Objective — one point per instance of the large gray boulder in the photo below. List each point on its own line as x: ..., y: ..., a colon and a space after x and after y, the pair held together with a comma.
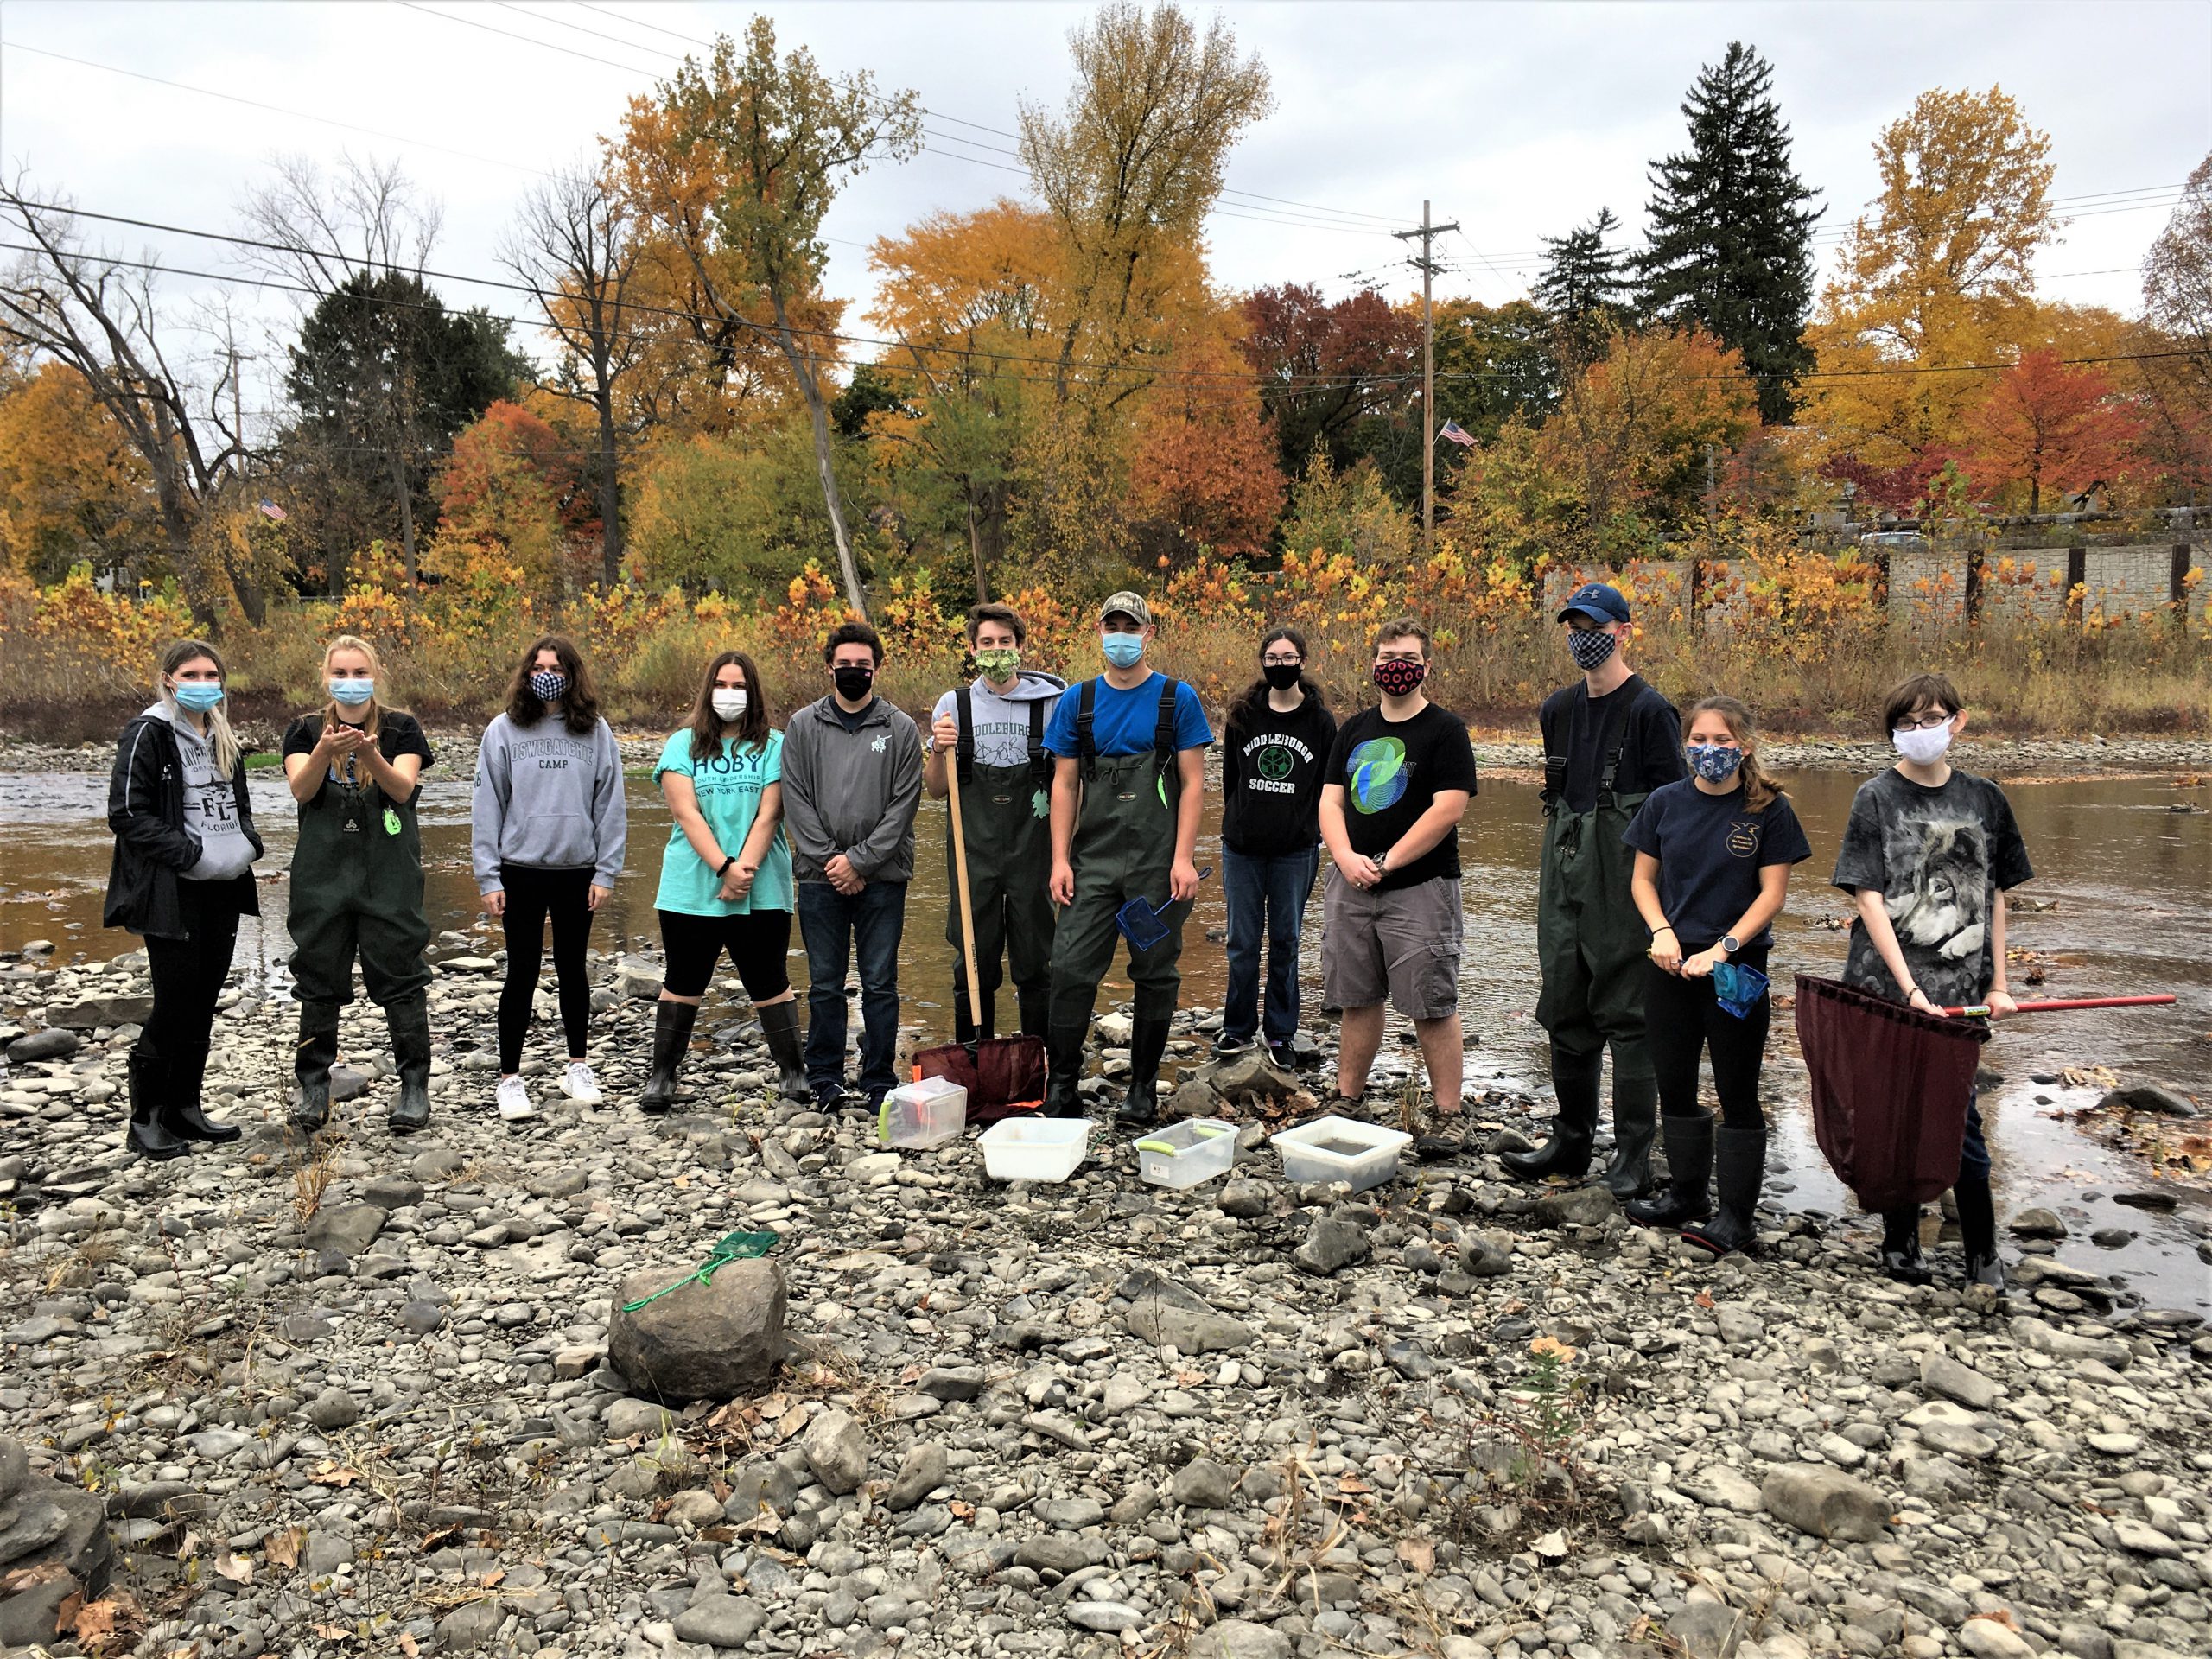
x: 1826, y: 1503
x: 1163, y: 1311
x: 54, y: 1544
x: 710, y: 1341
x: 89, y: 1012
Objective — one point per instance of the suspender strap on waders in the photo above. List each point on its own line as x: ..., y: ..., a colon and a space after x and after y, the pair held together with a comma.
x: 964, y: 747
x: 1040, y: 764
x: 1163, y: 731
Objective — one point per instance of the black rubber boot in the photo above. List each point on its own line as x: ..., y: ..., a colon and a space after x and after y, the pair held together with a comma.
x: 180, y: 1111
x: 408, y: 1020
x: 1139, y: 1107
x: 1978, y: 1231
x: 1574, y: 1124
x: 672, y: 1023
x: 1036, y: 1008
x: 964, y: 1027
x: 1635, y: 1121
x: 1689, y: 1175
x: 780, y: 1030
x: 1063, y: 1070
x: 316, y: 1053
x: 1739, y: 1166
x: 1901, y: 1257
x: 150, y: 1138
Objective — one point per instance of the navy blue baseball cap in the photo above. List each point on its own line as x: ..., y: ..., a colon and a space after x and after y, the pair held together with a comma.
x: 1597, y: 600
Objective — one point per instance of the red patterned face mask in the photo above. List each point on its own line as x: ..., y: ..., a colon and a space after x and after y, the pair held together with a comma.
x: 1397, y: 676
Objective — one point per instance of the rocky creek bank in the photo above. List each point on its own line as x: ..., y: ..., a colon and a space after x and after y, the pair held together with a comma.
x: 370, y: 1396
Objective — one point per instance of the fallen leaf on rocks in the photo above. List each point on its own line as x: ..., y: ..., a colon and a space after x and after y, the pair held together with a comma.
x: 408, y: 1646
x: 327, y: 1473
x: 439, y: 1539
x: 334, y: 1632
x: 1418, y: 1554
x: 234, y: 1567
x: 26, y: 1578
x: 490, y: 1580
x: 1703, y: 1298
x: 282, y: 1549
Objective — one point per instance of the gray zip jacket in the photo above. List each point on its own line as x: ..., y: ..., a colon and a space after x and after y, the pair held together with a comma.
x: 852, y: 793
x: 548, y: 798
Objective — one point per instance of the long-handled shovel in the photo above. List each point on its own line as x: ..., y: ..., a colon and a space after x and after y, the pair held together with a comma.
x: 1002, y: 1075
x: 2059, y: 1004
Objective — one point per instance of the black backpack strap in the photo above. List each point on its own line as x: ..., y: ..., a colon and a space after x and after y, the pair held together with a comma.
x: 1040, y: 764
x: 964, y: 747
x: 1086, y: 746
x: 1631, y: 688
x: 1163, y: 731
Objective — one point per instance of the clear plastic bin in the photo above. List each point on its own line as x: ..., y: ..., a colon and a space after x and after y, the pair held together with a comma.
x: 1034, y: 1149
x: 1183, y: 1154
x: 923, y: 1114
x: 1334, y: 1148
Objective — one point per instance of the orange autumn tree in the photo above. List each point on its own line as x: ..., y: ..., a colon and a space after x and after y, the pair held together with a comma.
x: 2045, y: 424
x: 72, y: 488
x: 513, y: 490
x: 1206, y: 474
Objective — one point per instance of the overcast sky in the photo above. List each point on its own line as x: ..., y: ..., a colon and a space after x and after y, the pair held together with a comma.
x: 1518, y: 121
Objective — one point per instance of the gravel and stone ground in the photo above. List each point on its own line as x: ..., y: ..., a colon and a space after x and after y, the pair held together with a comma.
x: 364, y: 1397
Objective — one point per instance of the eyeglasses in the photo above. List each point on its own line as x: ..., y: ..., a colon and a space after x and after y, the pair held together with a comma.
x: 1924, y: 722
x: 1282, y: 662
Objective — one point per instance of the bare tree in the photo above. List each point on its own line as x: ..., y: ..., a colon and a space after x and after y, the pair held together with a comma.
x: 577, y: 250
x: 97, y: 314
x: 347, y: 233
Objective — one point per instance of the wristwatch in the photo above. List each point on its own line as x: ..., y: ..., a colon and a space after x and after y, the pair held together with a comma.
x: 1381, y: 860
x: 1731, y: 943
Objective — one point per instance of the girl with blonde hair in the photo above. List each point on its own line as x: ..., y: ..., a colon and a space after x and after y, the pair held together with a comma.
x: 355, y: 766
x: 182, y: 875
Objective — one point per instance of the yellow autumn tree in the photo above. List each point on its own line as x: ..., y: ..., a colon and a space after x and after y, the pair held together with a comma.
x: 1938, y: 273
x: 72, y: 488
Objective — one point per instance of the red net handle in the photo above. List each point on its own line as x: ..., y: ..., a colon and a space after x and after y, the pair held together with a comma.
x: 2058, y: 1004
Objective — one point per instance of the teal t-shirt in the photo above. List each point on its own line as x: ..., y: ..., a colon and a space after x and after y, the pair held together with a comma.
x: 728, y: 786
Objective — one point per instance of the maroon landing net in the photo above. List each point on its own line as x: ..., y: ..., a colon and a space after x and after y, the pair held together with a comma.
x: 1890, y: 1089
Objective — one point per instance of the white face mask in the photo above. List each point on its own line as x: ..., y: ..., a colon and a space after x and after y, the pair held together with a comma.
x: 1922, y: 748
x: 729, y: 703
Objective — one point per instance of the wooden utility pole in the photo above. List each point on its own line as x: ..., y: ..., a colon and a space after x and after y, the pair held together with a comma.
x: 1427, y: 233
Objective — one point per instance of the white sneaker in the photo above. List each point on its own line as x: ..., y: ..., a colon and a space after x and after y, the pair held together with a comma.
x: 578, y: 1084
x: 513, y: 1099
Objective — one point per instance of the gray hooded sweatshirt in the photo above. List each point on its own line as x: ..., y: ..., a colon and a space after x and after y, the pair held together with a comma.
x: 1002, y: 729
x: 852, y: 793
x: 211, y: 805
x: 548, y: 798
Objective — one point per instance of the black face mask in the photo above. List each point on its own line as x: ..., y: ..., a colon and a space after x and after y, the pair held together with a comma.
x: 853, y: 684
x: 1282, y: 676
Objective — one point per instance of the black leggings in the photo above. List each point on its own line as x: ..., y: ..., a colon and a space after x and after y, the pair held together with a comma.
x: 532, y: 895
x: 1682, y: 1016
x: 758, y: 944
x: 189, y: 973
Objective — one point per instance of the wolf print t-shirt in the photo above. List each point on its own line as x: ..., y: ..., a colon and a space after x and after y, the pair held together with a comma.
x: 1392, y: 770
x: 1940, y: 857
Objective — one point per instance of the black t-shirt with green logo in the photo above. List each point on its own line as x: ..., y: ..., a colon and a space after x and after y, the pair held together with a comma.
x: 1271, y: 776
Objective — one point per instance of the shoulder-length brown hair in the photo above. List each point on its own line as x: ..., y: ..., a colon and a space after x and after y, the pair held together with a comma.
x: 579, y: 706
x: 707, y: 726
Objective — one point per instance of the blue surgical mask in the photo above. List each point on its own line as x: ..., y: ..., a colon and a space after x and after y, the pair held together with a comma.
x: 1716, y: 763
x: 199, y: 695
x: 353, y: 693
x: 1123, y: 650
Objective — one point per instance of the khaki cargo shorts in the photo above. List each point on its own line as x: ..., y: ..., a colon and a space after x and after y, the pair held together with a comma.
x: 1401, y: 942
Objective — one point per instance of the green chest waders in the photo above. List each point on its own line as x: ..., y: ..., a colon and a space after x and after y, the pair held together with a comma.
x: 1591, y: 945
x: 357, y: 887
x: 1006, y: 814
x: 1124, y: 848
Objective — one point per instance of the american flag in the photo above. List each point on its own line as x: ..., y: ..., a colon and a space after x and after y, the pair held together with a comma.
x: 1457, y: 433
x: 270, y: 510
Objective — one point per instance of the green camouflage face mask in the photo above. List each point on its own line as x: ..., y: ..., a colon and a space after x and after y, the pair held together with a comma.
x: 998, y: 662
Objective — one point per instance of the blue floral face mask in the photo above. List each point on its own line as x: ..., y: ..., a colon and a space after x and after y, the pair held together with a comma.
x: 1714, y: 762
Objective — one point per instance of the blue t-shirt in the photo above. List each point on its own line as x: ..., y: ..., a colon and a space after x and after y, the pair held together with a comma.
x: 1123, y: 722
x: 729, y: 786
x: 1711, y: 848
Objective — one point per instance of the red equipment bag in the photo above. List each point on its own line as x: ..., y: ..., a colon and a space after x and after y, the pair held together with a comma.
x: 1004, y: 1076
x: 1890, y: 1087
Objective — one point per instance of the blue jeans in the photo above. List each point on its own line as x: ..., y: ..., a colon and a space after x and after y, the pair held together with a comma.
x: 1265, y: 895
x: 833, y: 924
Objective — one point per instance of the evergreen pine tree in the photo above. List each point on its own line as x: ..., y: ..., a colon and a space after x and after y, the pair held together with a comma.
x: 1730, y: 237
x: 1585, y: 286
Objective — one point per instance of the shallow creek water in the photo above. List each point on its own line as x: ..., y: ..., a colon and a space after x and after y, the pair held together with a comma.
x: 2130, y: 877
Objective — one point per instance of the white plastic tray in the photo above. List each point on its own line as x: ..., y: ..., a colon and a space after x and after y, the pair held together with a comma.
x: 1034, y: 1149
x: 1335, y: 1148
x: 1201, y: 1149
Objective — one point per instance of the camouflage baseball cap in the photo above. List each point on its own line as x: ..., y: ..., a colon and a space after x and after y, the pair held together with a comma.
x: 1126, y: 604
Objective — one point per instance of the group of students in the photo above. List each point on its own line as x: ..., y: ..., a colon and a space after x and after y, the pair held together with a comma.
x: 1666, y: 857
